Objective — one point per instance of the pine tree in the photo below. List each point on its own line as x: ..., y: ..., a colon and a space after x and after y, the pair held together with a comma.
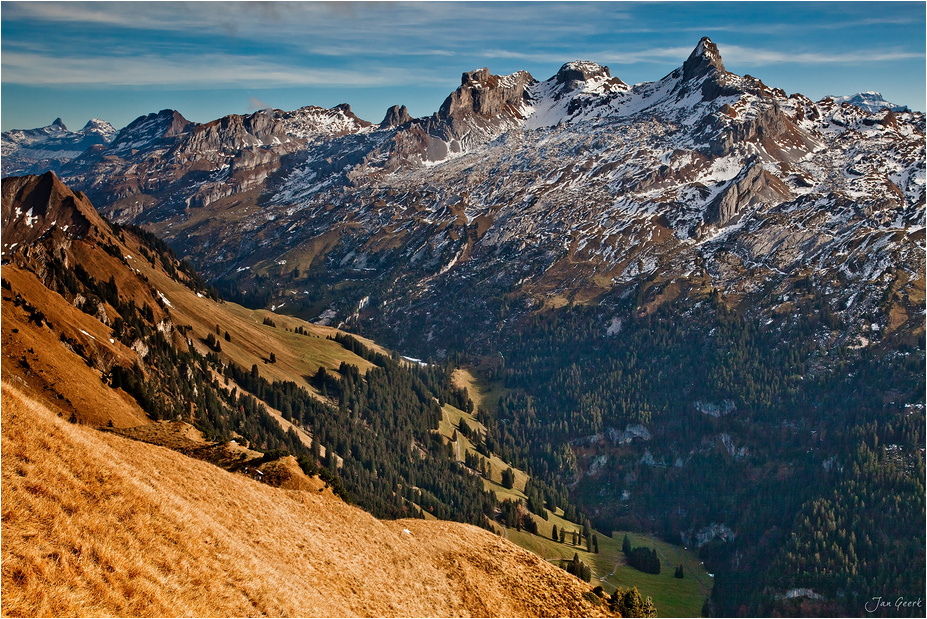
x: 508, y: 478
x: 595, y: 543
x: 678, y: 573
x: 626, y: 545
x: 554, y: 534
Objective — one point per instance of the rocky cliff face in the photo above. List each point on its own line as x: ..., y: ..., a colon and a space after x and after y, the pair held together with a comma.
x: 540, y: 192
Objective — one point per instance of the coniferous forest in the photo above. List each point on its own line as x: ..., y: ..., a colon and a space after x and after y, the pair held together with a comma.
x: 383, y: 450
x: 815, y: 460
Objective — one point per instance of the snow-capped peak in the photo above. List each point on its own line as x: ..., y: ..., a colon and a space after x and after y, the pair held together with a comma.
x: 581, y: 70
x: 99, y: 127
x: 869, y: 101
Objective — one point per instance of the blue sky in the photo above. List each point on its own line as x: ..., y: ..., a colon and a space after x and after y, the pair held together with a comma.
x: 117, y: 61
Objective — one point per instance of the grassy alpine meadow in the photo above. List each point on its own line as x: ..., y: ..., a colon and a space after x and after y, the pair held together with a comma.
x: 671, y: 596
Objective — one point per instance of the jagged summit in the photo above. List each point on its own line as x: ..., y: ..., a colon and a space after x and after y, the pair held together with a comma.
x: 703, y: 59
x: 396, y: 116
x: 58, y: 123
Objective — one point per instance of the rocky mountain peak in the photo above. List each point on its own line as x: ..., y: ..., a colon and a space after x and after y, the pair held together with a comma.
x: 59, y: 124
x: 475, y: 77
x: 582, y: 71
x: 703, y: 59
x: 345, y: 110
x: 147, y: 131
x: 486, y: 95
x: 99, y: 127
x: 34, y: 205
x: 395, y: 116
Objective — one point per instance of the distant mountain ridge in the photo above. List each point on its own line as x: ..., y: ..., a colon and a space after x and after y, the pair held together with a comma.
x: 870, y: 101
x: 33, y: 151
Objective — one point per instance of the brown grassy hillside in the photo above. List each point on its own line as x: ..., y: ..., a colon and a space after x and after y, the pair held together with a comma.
x: 95, y: 524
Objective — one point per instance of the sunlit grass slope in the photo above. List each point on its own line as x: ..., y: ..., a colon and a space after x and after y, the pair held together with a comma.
x: 94, y: 524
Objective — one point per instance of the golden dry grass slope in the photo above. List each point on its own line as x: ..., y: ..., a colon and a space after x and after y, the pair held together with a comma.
x: 95, y: 524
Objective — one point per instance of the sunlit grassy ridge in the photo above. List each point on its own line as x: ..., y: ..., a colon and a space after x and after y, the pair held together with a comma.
x: 95, y: 524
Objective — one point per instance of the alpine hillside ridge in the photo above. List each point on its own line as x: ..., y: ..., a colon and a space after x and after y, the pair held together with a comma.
x: 108, y: 337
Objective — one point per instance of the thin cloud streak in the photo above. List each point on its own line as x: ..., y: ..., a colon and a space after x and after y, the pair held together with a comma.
x: 761, y: 57
x: 368, y: 26
x: 206, y: 71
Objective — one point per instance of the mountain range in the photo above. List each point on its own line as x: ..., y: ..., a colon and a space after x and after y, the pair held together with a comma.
x: 542, y: 192
x: 697, y: 302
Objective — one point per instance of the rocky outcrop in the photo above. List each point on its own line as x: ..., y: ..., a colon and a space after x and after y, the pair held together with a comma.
x: 233, y: 133
x: 766, y: 126
x: 482, y: 100
x: 395, y: 117
x: 486, y: 95
x: 753, y: 184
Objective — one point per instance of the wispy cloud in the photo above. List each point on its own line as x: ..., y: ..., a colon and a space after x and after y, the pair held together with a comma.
x: 759, y: 57
x: 205, y: 71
